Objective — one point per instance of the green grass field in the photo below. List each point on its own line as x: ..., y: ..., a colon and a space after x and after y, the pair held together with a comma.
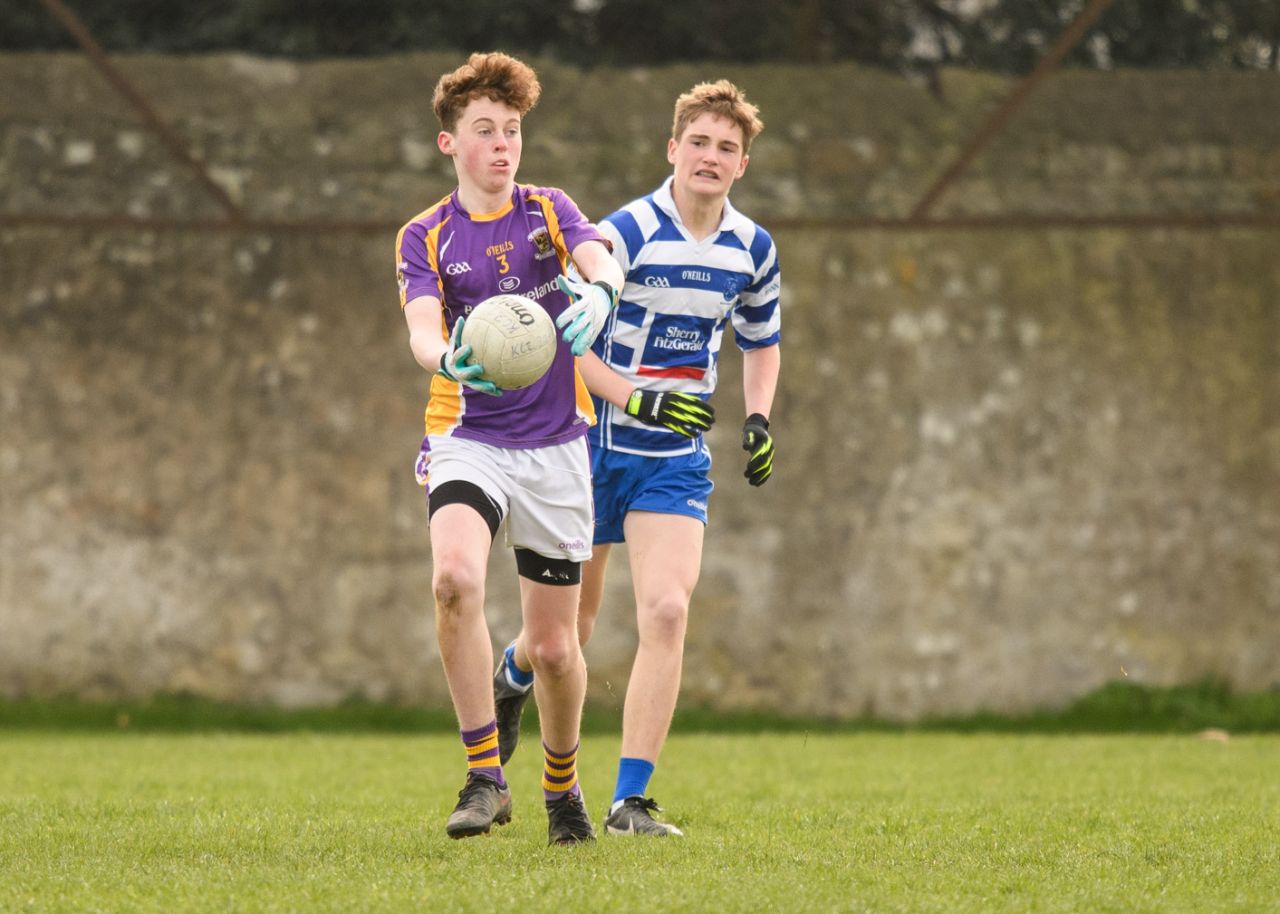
x: 797, y: 821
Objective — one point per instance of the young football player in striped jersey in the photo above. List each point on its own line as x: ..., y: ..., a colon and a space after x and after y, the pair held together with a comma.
x: 693, y: 264
x: 518, y: 454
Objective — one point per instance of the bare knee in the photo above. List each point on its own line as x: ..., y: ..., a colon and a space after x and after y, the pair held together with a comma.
x: 664, y: 621
x: 555, y: 656
x: 455, y: 587
x: 586, y: 625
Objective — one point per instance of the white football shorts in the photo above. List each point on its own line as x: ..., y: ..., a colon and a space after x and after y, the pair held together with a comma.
x: 544, y: 493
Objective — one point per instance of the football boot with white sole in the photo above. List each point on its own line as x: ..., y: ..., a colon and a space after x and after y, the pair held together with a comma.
x: 635, y: 817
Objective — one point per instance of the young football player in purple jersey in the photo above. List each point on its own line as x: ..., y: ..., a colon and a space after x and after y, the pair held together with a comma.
x: 693, y: 264
x: 491, y: 454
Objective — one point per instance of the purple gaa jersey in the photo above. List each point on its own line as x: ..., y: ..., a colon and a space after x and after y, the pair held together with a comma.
x: 463, y: 258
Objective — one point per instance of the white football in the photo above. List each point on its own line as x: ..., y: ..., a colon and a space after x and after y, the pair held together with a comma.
x: 513, y: 337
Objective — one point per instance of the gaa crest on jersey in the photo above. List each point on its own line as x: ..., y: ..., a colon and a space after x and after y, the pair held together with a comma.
x: 541, y: 239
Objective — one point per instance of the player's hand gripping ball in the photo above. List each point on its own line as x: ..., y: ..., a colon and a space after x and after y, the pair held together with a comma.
x: 512, y: 338
x: 589, y: 307
x: 457, y: 364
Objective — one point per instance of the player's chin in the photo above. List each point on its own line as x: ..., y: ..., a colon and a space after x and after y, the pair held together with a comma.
x: 501, y: 177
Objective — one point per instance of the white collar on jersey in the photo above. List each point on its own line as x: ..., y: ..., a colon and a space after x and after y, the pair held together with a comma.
x: 730, y: 221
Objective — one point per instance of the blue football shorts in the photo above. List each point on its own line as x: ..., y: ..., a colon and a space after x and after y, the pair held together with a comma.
x: 664, y: 485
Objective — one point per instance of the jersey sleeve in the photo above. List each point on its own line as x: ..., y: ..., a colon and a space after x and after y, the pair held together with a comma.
x: 574, y: 227
x: 416, y: 271
x: 617, y: 243
x: 757, y: 317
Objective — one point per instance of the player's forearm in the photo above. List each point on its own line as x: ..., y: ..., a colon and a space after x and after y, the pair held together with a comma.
x: 603, y: 381
x: 596, y: 264
x: 427, y: 349
x: 426, y: 341
x: 760, y: 369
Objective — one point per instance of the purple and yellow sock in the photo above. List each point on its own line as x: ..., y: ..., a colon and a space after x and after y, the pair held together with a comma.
x: 482, y: 752
x: 559, y: 773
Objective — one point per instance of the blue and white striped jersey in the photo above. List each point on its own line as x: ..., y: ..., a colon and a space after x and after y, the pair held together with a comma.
x: 679, y: 293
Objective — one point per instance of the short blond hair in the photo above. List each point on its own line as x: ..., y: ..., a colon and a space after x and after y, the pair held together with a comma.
x: 723, y: 99
x: 495, y: 76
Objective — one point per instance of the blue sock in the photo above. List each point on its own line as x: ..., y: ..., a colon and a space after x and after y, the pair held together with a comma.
x: 633, y: 778
x: 518, y: 677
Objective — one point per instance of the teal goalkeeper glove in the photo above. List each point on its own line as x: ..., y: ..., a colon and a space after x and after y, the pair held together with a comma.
x: 683, y: 414
x: 589, y: 307
x: 758, y: 443
x: 456, y: 365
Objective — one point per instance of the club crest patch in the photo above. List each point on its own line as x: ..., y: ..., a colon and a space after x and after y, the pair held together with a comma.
x: 541, y: 239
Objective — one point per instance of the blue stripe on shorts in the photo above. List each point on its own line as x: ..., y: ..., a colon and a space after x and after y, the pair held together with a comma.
x: 631, y: 482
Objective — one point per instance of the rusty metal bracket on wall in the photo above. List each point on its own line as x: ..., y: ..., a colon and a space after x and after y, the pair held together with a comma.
x: 237, y: 221
x: 996, y: 123
x: 121, y: 83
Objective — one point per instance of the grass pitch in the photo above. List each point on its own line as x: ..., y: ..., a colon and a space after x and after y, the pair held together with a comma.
x: 812, y: 822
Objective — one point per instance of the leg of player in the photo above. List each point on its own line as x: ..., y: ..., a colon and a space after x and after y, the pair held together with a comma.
x: 593, y: 574
x: 513, y: 680
x: 665, y: 551
x: 560, y: 685
x: 460, y: 541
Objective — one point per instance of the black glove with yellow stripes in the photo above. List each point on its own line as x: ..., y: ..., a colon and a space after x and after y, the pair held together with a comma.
x: 684, y: 414
x: 758, y: 443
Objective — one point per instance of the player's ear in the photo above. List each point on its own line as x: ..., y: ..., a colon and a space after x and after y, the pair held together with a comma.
x: 671, y: 150
x: 742, y: 166
x: 445, y: 141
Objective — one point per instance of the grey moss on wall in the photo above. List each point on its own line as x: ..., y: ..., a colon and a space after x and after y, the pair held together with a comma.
x: 1012, y: 465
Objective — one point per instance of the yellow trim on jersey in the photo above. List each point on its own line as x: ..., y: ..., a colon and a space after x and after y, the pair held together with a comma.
x: 582, y: 396
x: 444, y: 406
x: 445, y: 399
x: 553, y: 229
x: 400, y: 244
x: 496, y: 214
x: 586, y: 408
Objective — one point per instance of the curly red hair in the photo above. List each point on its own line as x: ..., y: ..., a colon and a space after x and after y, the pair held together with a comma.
x: 496, y: 76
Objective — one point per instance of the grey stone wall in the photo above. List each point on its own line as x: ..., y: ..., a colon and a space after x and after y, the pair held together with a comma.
x: 1012, y: 465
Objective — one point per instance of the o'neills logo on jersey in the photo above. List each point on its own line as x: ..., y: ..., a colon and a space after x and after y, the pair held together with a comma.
x: 494, y: 250
x: 541, y: 239
x: 696, y: 276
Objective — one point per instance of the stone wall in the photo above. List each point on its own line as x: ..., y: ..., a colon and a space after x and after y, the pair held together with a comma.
x: 1012, y: 465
